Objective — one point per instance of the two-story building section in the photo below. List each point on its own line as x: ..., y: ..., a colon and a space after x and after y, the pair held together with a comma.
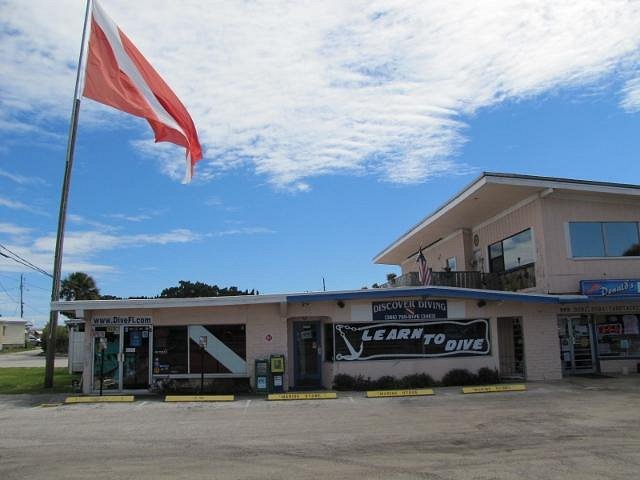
x: 552, y: 236
x: 534, y: 277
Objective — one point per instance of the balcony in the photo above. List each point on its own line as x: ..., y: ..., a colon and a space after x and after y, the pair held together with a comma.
x: 513, y: 280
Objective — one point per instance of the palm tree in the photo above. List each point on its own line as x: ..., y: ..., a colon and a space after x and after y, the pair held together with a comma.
x: 79, y: 286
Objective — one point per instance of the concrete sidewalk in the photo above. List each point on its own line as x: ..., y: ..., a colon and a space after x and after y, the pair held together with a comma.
x: 29, y: 358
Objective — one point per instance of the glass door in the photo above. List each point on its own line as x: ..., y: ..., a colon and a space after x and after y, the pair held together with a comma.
x: 121, y: 358
x: 576, y: 345
x: 307, y: 360
x: 106, y: 358
x: 135, y: 367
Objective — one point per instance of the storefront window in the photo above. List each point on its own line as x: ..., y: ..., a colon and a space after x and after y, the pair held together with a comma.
x: 170, y: 350
x: 604, y: 239
x: 511, y: 253
x: 225, y: 351
x: 618, y: 335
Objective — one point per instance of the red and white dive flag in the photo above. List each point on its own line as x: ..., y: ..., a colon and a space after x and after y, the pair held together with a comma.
x: 119, y: 76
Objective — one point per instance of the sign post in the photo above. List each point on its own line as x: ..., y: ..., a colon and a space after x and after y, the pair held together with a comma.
x: 203, y: 345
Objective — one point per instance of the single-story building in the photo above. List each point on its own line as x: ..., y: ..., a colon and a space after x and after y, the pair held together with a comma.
x: 12, y: 331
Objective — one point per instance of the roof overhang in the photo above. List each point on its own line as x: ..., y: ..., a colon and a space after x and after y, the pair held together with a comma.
x: 147, y: 303
x: 484, y: 198
x: 442, y: 292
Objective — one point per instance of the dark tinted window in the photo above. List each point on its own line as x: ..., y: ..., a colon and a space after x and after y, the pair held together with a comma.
x: 604, y: 239
x: 518, y: 250
x: 170, y: 350
x: 586, y: 239
x: 225, y: 352
x: 328, y: 342
x: 621, y: 238
x: 513, y: 252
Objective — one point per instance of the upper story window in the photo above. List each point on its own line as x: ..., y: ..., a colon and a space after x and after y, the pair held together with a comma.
x: 604, y: 239
x: 452, y: 264
x: 512, y: 252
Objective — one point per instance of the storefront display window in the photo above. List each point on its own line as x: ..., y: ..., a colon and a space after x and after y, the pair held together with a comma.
x: 221, y: 349
x: 170, y: 355
x: 226, y: 346
x: 618, y: 335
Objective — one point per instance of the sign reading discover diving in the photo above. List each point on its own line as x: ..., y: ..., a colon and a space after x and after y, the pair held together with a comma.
x: 384, y: 341
x: 409, y: 310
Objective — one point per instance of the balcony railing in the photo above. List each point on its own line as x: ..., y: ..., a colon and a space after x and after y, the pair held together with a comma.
x: 517, y: 279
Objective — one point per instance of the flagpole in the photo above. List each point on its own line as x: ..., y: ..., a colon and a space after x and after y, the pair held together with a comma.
x: 62, y: 215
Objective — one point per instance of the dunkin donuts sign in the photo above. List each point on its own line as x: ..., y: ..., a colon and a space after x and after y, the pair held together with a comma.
x: 384, y: 341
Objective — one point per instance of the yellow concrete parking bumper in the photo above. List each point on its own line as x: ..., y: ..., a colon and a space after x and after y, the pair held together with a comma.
x: 411, y: 392
x: 199, y: 398
x: 302, y: 396
x: 495, y: 388
x: 104, y: 399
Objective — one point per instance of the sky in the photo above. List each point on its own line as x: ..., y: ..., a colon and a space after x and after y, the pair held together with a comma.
x: 329, y: 129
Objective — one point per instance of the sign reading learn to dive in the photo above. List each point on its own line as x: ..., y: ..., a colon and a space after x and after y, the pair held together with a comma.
x: 384, y: 341
x: 409, y: 310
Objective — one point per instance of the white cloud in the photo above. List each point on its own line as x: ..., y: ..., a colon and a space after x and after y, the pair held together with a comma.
x: 243, y: 231
x: 20, y: 179
x: 129, y: 218
x: 90, y: 243
x: 16, y: 205
x: 631, y: 100
x: 296, y: 90
x: 80, y: 220
x: 80, y: 248
x: 14, y: 230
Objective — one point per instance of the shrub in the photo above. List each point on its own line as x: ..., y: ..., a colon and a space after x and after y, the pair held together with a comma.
x: 362, y: 383
x: 342, y: 382
x: 62, y: 339
x: 488, y: 375
x: 459, y: 376
x: 417, y: 380
x: 386, y: 382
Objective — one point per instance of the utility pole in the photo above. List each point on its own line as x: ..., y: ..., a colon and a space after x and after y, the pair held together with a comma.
x: 21, y: 296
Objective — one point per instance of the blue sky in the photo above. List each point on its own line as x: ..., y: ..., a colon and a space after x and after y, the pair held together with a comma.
x: 327, y: 134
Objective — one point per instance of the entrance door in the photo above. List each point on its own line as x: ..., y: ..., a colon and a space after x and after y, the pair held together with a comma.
x: 135, y: 368
x: 511, y: 347
x: 121, y: 358
x: 576, y: 345
x: 106, y: 358
x: 307, y: 354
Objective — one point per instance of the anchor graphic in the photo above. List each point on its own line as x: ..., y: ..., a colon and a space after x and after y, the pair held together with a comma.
x: 354, y: 355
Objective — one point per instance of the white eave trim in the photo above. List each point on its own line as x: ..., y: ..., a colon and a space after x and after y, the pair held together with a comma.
x: 463, y: 195
x: 146, y: 303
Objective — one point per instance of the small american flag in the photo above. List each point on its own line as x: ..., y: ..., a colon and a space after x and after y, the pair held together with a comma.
x: 424, y: 272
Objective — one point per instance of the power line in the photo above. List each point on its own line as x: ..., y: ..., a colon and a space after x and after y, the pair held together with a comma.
x: 7, y: 292
x: 23, y: 261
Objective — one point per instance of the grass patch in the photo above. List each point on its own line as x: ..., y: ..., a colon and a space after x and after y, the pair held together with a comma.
x: 31, y: 380
x: 18, y: 349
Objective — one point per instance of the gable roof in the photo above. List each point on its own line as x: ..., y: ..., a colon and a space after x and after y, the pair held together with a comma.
x: 487, y: 196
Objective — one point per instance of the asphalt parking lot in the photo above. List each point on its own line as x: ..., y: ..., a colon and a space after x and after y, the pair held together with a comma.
x: 575, y: 429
